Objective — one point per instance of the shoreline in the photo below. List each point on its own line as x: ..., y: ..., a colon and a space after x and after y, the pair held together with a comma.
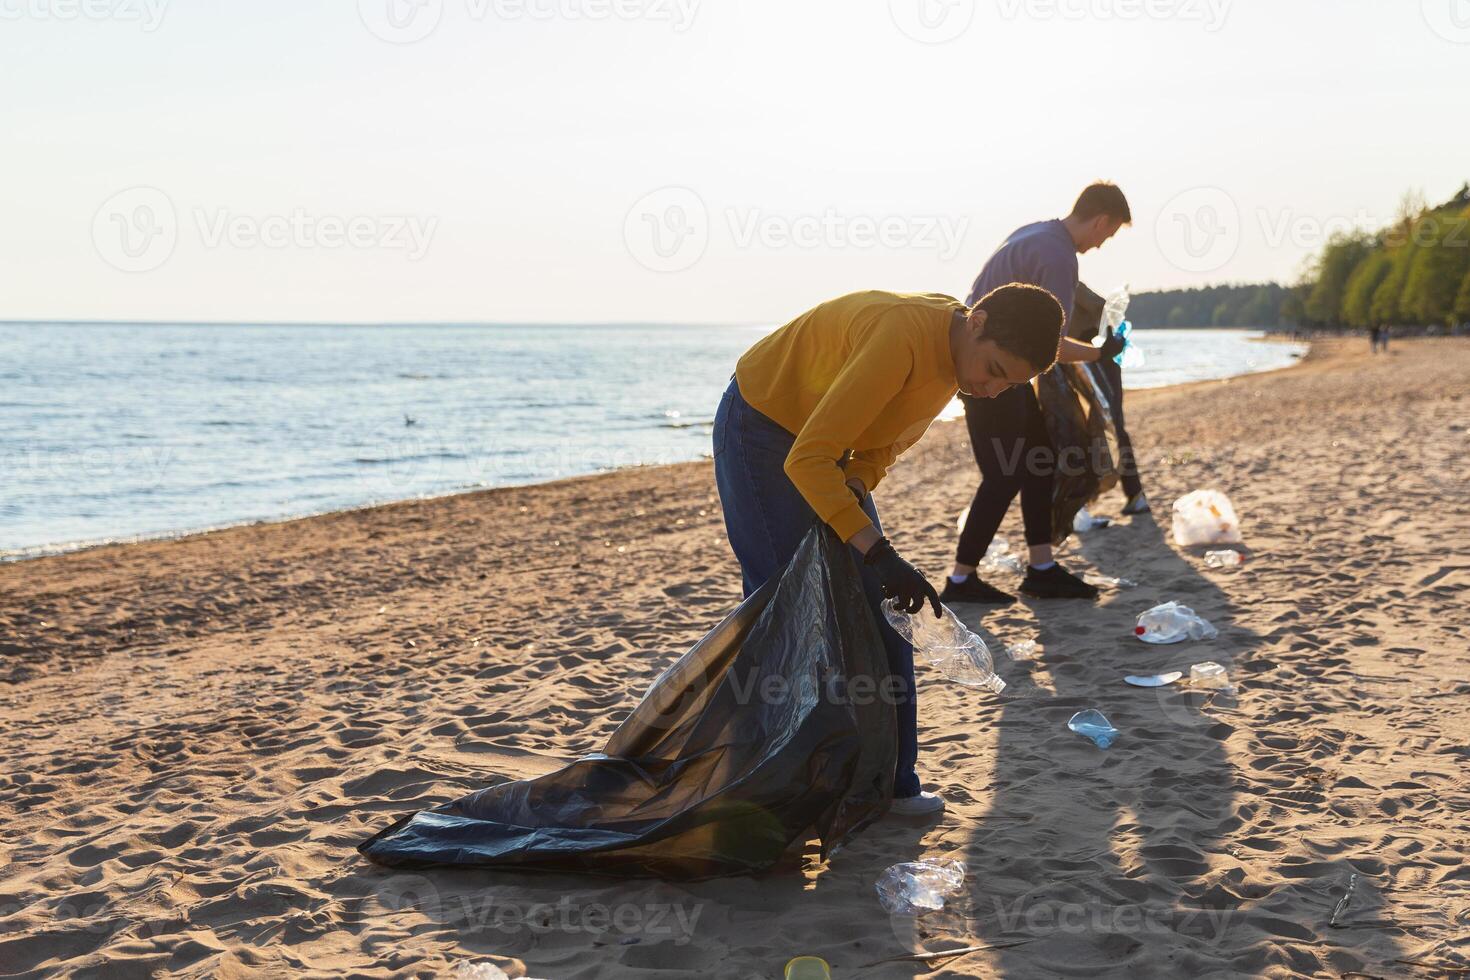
x: 42, y: 552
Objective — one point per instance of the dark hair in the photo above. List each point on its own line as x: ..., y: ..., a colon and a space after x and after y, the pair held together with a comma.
x: 1102, y: 197
x: 1026, y: 321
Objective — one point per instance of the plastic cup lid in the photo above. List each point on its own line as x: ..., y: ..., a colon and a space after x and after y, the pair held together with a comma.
x: 1156, y: 680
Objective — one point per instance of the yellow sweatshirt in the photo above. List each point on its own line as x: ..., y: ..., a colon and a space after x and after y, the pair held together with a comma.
x: 864, y: 373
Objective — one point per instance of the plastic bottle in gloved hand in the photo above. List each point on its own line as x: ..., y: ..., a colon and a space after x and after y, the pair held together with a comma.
x: 1113, y: 346
x: 902, y: 582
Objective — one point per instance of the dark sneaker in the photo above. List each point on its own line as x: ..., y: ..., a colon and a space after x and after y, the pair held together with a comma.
x: 1138, y: 505
x: 1056, y: 583
x: 973, y: 589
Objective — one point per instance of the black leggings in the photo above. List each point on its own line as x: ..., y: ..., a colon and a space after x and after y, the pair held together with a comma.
x: 1003, y: 432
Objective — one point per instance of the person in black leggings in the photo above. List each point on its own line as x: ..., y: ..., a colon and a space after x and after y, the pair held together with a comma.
x: 1006, y: 470
x: 1008, y: 432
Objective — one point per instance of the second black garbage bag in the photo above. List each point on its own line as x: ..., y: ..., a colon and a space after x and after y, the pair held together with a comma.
x: 774, y: 728
x: 1080, y: 423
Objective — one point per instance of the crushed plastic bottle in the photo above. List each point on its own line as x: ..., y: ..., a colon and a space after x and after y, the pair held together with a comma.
x: 808, y: 968
x: 1223, y: 559
x: 1084, y: 522
x: 1210, y: 676
x: 1205, y: 517
x: 920, y: 886
x: 1115, y: 312
x: 1170, y: 623
x: 1021, y: 650
x: 1115, y: 308
x: 481, y: 971
x: 998, y: 558
x: 1094, y: 724
x: 948, y: 644
x: 1107, y: 581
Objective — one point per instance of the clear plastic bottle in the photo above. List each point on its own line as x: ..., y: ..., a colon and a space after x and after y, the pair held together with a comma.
x: 1223, y: 559
x: 947, y: 644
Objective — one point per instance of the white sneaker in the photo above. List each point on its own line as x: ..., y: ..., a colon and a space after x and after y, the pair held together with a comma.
x: 917, y: 806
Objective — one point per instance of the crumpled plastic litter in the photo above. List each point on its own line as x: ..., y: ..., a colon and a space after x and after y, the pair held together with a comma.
x: 1093, y: 724
x: 1205, y: 517
x: 920, y: 886
x: 1108, y: 581
x: 1170, y: 622
x: 1021, y: 650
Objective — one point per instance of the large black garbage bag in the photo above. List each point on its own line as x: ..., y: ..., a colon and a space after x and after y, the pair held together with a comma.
x: 1079, y: 420
x: 771, y: 729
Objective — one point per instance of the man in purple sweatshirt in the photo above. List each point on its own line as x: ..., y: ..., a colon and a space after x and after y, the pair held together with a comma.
x: 1004, y: 430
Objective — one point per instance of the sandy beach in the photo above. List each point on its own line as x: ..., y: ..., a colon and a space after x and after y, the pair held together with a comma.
x: 197, y: 733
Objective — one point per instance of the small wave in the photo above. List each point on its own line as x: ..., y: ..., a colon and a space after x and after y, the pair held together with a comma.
x: 389, y: 460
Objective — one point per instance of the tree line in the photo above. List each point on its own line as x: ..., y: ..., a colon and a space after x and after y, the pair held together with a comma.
x: 1415, y: 272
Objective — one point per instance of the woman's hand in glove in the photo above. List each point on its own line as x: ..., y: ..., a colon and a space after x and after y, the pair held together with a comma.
x: 901, y: 581
x: 1111, y: 347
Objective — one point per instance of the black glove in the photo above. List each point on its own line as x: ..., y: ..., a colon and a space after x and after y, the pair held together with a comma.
x: 1112, y: 347
x: 901, y: 581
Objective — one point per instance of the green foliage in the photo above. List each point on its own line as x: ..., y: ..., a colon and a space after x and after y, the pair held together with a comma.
x: 1357, y: 297
x: 1210, y: 306
x: 1342, y: 255
x: 1415, y: 272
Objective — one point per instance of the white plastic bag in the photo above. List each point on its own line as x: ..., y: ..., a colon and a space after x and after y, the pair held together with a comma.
x: 1171, y: 623
x: 1205, y: 517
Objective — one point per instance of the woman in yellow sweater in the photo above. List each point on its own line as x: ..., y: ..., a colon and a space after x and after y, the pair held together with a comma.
x: 819, y: 409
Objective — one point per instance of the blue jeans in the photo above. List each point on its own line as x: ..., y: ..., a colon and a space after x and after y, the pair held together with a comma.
x: 766, y: 517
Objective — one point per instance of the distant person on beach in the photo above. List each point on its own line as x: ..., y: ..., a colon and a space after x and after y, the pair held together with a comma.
x: 1084, y: 324
x: 1009, y: 434
x: 818, y: 410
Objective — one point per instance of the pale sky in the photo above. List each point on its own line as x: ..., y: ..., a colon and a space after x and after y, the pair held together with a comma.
x: 687, y: 160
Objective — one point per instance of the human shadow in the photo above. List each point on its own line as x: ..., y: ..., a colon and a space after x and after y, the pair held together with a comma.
x: 1137, y: 860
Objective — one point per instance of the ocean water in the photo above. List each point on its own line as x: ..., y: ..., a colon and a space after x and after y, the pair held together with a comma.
x: 121, y: 431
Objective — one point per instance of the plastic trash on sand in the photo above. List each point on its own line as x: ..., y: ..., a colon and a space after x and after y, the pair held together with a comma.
x: 920, y: 886
x: 480, y: 971
x: 1209, y: 676
x: 998, y: 558
x: 1108, y: 581
x: 1021, y: 650
x: 1093, y: 724
x: 756, y: 738
x: 1153, y: 680
x: 948, y: 644
x: 1171, y: 623
x: 1084, y: 522
x: 1205, y: 517
x: 1223, y: 559
x: 808, y: 968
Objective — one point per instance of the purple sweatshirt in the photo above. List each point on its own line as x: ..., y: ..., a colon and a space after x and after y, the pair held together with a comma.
x: 1042, y: 255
